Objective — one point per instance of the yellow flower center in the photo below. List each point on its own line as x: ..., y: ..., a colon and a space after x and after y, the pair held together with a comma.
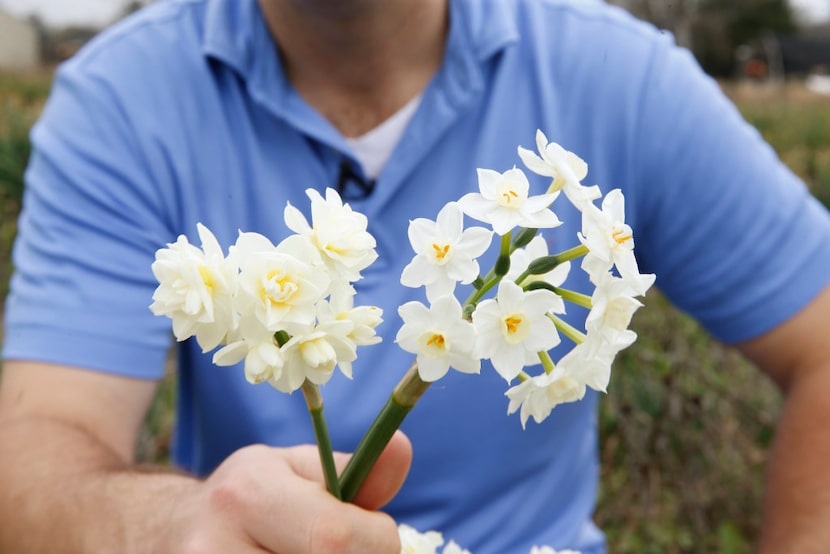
x: 441, y: 251
x: 510, y: 194
x: 207, y: 277
x: 278, y: 287
x: 621, y: 236
x: 437, y: 341
x: 512, y: 323
x: 515, y: 327
x: 434, y: 344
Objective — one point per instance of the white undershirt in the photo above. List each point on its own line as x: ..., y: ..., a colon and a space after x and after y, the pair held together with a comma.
x: 373, y: 149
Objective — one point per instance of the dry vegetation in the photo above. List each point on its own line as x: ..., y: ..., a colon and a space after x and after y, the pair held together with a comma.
x: 687, y: 422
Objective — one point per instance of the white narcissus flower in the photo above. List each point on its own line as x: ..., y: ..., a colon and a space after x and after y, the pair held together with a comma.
x: 504, y: 202
x: 590, y: 362
x: 512, y: 328
x: 364, y: 320
x: 565, y: 168
x: 313, y: 354
x: 256, y: 345
x: 538, y: 395
x: 609, y: 240
x: 439, y: 336
x: 549, y: 550
x: 613, y: 306
x: 280, y: 285
x: 453, y: 548
x: 537, y: 248
x: 195, y: 289
x: 445, y: 252
x: 337, y: 232
x: 413, y: 542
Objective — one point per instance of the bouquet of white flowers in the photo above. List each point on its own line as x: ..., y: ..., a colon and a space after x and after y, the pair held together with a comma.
x: 288, y: 310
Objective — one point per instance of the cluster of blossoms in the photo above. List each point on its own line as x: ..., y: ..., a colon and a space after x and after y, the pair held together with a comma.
x: 413, y: 542
x: 521, y: 323
x: 287, y: 310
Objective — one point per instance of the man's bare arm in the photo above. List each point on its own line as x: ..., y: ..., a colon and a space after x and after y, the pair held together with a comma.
x: 797, y: 503
x: 67, y: 482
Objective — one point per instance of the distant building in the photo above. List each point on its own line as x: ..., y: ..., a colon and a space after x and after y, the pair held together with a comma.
x: 19, y: 44
x: 782, y: 56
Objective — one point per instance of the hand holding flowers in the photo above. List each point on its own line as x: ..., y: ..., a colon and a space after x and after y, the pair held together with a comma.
x: 288, y: 311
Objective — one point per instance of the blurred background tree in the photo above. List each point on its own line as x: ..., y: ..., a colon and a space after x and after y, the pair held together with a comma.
x: 714, y: 29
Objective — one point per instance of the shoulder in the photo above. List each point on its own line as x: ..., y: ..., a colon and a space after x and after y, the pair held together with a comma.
x: 148, y: 41
x: 587, y: 42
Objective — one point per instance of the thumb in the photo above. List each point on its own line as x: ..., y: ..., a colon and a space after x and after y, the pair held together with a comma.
x: 388, y: 475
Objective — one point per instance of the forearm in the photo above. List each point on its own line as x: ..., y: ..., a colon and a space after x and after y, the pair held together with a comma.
x: 63, y: 491
x: 797, y: 505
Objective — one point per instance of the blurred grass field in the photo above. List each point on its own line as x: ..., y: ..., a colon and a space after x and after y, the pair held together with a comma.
x: 687, y: 422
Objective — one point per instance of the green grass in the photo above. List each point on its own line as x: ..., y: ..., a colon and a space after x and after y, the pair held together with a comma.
x: 687, y: 422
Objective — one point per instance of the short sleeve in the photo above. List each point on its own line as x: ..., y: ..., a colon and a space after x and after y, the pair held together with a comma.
x: 734, y: 237
x: 92, y: 220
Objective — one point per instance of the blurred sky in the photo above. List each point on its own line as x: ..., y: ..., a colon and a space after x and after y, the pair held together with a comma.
x: 102, y: 12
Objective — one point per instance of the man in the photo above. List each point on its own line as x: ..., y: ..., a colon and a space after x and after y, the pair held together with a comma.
x: 220, y: 111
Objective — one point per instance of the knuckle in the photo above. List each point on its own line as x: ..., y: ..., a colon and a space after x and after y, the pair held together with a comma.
x: 389, y: 532
x: 331, y: 535
x: 232, y: 492
x: 195, y: 544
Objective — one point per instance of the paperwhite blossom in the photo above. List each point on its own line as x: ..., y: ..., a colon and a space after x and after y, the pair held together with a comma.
x: 512, y: 328
x: 439, y: 336
x: 565, y: 168
x: 504, y: 202
x: 590, y: 362
x: 453, y: 548
x: 537, y: 248
x: 256, y: 345
x: 413, y: 542
x: 337, y: 232
x: 279, y: 285
x: 613, y: 305
x: 538, y: 395
x: 549, y: 550
x: 608, y: 238
x: 445, y: 252
x: 195, y: 289
x: 364, y: 320
x: 314, y: 354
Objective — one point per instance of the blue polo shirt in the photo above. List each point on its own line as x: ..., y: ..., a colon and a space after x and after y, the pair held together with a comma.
x: 182, y: 114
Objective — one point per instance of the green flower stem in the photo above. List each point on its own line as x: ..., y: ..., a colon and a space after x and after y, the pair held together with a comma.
x: 522, y: 377
x: 572, y: 253
x: 505, y: 243
x: 314, y: 400
x: 479, y: 293
x: 522, y: 238
x: 547, y: 362
x: 542, y: 265
x: 569, y: 331
x: 575, y: 297
x: 401, y: 401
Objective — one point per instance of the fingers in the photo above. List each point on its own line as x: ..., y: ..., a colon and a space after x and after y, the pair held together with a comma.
x: 388, y: 475
x: 384, y: 481
x: 314, y: 521
x: 273, y: 498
